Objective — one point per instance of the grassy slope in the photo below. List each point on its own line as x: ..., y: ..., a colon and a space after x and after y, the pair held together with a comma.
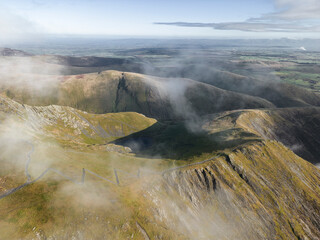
x: 71, y: 126
x: 263, y: 189
x: 112, y: 91
x: 103, y: 128
x: 54, y: 206
x: 266, y: 184
x: 266, y: 181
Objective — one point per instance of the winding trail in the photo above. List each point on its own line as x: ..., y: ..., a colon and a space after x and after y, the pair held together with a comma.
x: 28, y: 162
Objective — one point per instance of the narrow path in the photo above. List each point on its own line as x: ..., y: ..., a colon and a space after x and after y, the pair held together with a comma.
x: 143, y: 232
x: 28, y: 162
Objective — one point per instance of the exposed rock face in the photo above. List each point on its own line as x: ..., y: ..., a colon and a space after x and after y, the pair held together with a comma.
x: 117, y: 148
x: 259, y: 191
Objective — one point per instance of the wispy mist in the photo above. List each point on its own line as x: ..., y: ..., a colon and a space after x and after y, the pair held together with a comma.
x: 15, y: 28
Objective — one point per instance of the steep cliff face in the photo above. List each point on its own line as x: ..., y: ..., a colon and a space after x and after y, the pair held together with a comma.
x: 258, y: 191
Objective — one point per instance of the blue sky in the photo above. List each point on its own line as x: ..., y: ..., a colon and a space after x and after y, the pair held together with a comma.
x: 177, y: 18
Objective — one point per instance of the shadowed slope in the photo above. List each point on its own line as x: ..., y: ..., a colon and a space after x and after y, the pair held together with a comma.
x: 297, y: 128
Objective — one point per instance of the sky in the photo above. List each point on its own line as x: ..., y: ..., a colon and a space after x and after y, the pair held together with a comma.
x: 162, y: 18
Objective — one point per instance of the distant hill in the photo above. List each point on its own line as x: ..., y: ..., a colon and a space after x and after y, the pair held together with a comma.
x: 89, y: 61
x: 280, y: 94
x: 8, y: 52
x: 160, y: 98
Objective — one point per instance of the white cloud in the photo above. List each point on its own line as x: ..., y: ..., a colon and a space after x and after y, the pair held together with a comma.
x: 297, y: 9
x: 295, y: 16
x: 251, y: 26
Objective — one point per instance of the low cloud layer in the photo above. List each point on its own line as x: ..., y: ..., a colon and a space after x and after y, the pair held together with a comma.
x: 290, y: 16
